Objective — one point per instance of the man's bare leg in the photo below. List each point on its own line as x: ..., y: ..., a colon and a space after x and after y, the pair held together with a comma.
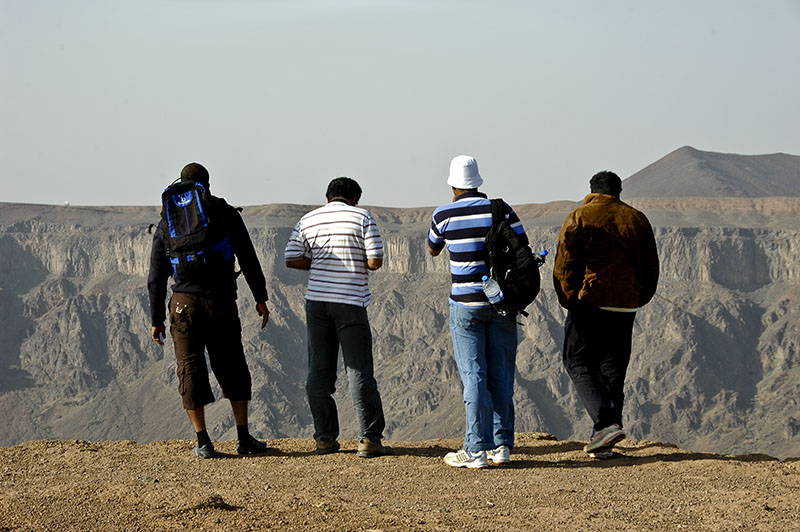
x: 204, y: 449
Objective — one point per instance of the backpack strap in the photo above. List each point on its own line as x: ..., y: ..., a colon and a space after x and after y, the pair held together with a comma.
x: 498, y: 206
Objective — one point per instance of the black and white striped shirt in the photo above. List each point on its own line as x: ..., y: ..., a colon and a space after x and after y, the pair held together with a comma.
x: 338, y: 238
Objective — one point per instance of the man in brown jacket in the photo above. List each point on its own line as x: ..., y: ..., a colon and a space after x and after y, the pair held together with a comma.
x: 606, y: 267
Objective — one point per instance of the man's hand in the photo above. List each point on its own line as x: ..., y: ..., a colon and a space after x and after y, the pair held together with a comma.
x: 374, y: 264
x: 263, y: 312
x: 303, y: 263
x: 158, y: 333
x: 434, y: 252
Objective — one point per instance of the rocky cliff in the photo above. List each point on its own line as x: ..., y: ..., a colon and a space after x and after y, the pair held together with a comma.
x: 716, y: 364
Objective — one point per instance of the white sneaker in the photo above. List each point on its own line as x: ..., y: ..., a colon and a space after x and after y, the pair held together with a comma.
x: 500, y: 456
x: 467, y: 459
x: 605, y: 438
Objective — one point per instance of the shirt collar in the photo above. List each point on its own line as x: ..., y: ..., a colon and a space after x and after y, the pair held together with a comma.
x: 596, y: 197
x: 470, y: 195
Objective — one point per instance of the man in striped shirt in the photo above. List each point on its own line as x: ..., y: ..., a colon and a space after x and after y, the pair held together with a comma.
x: 485, y: 343
x: 339, y: 244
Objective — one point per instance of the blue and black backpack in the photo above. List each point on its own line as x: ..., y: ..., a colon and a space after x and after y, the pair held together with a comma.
x: 192, y: 235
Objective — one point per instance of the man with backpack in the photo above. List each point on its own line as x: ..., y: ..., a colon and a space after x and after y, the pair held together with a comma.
x: 606, y: 268
x: 195, y: 243
x: 484, y: 341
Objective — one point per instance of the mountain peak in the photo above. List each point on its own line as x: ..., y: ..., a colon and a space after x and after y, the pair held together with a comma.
x: 689, y: 172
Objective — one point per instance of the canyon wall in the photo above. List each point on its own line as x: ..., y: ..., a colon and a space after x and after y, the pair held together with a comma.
x: 715, y: 365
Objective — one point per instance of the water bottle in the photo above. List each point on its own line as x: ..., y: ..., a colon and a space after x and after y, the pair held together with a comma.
x: 540, y: 257
x: 494, y: 294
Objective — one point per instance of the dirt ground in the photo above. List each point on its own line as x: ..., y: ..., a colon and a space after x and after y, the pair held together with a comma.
x: 550, y: 485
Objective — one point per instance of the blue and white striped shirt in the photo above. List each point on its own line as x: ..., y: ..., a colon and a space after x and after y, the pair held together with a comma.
x: 338, y: 238
x: 462, y: 226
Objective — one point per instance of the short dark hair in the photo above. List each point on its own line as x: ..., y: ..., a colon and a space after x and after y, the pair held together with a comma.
x: 606, y: 182
x: 195, y: 172
x: 343, y: 187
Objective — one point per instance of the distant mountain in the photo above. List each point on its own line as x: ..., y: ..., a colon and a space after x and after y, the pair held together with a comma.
x: 688, y: 172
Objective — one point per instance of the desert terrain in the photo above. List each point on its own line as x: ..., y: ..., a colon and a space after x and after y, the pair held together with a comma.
x: 550, y: 485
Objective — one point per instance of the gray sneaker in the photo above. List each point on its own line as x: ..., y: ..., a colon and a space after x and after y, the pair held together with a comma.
x: 602, y: 454
x: 206, y: 451
x: 605, y: 439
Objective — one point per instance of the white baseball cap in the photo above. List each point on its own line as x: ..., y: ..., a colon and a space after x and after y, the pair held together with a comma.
x: 464, y: 173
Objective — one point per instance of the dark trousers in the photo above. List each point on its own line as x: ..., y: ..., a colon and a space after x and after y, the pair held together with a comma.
x: 331, y: 325
x: 597, y: 349
x: 198, y: 324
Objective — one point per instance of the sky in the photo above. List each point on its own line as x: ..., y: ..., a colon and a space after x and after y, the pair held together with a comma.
x: 102, y: 102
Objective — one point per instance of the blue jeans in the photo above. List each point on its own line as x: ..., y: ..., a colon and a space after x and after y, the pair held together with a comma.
x: 485, y: 345
x: 329, y: 326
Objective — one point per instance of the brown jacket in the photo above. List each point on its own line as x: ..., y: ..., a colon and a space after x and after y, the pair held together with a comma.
x: 606, y: 256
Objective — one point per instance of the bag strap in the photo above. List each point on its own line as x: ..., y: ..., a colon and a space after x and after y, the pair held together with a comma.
x: 497, y: 210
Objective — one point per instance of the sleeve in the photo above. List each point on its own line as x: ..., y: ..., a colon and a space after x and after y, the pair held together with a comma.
x: 297, y: 247
x: 435, y: 234
x: 568, y: 266
x: 247, y: 257
x: 649, y: 264
x: 514, y: 221
x: 160, y: 271
x: 373, y: 244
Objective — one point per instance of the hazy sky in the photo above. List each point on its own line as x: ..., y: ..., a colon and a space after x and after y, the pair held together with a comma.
x: 102, y: 102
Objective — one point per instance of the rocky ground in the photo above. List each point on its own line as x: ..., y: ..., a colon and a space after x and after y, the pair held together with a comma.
x: 550, y: 485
